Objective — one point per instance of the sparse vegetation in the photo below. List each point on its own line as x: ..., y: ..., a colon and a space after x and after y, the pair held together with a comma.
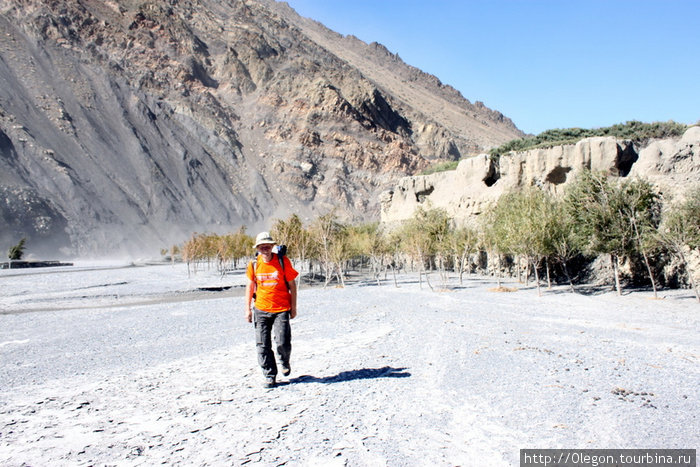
x: 440, y: 167
x: 632, y: 130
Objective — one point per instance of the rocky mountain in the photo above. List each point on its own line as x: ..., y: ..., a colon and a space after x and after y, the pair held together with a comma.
x: 126, y: 125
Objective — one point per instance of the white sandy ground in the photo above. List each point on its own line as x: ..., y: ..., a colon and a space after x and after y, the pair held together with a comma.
x: 135, y: 366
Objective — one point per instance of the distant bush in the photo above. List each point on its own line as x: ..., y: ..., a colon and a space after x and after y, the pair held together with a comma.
x: 632, y: 130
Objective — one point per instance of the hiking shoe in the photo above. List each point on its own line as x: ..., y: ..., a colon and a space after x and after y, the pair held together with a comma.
x: 286, y: 369
x: 270, y: 383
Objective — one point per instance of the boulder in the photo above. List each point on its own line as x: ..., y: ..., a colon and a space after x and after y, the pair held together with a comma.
x: 673, y: 166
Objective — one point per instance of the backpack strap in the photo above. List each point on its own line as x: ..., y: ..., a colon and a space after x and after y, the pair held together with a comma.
x: 280, y: 258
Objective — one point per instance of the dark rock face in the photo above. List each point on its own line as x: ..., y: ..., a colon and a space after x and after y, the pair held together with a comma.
x: 127, y: 125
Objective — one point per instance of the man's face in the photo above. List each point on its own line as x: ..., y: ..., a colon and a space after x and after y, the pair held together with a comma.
x: 265, y: 250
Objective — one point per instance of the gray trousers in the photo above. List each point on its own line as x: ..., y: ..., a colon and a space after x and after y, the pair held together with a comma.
x: 268, y: 325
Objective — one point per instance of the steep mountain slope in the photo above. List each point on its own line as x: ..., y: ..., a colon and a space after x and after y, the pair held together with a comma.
x: 126, y: 125
x: 471, y: 127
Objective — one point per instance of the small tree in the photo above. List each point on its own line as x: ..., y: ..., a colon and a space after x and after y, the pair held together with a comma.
x: 640, y: 205
x: 341, y: 250
x: 329, y: 237
x: 17, y: 252
x: 393, y: 249
x: 225, y: 252
x: 368, y: 241
x: 293, y: 234
x: 464, y: 242
x: 498, y: 232
x: 243, y: 245
x: 613, y: 218
x: 680, y: 231
x: 193, y: 250
x: 171, y: 252
x: 535, y: 217
x: 422, y: 234
x: 595, y: 208
x: 521, y: 222
x: 562, y: 244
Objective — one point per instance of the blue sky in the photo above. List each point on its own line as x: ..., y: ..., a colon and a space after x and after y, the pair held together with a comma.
x: 543, y: 63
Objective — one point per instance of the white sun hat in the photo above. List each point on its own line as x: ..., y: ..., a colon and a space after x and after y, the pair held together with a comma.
x: 264, y: 238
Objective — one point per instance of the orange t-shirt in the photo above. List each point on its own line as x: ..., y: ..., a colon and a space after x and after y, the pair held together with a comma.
x: 271, y: 292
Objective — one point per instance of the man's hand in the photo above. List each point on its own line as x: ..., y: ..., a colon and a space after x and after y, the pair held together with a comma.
x: 293, y: 313
x: 249, y: 291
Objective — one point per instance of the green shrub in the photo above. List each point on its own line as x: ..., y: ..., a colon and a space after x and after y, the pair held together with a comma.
x: 632, y: 130
x: 17, y: 252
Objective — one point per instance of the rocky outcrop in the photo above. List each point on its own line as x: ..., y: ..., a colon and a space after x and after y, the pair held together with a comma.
x: 673, y: 165
x: 126, y: 125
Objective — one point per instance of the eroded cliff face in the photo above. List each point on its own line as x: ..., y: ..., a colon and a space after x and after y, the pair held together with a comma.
x: 126, y: 125
x: 672, y: 165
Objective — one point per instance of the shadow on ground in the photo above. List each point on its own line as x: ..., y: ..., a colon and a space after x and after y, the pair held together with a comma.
x: 352, y: 375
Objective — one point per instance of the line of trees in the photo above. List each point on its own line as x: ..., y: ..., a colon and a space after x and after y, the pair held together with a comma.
x: 225, y: 251
x: 528, y: 233
x: 624, y: 220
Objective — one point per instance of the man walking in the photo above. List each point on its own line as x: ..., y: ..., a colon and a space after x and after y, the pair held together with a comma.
x: 271, y: 284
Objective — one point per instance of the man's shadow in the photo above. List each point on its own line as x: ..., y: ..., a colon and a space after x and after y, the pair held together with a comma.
x: 365, y: 373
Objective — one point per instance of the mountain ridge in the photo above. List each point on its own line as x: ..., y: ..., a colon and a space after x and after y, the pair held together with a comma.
x: 127, y: 125
x: 354, y: 50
